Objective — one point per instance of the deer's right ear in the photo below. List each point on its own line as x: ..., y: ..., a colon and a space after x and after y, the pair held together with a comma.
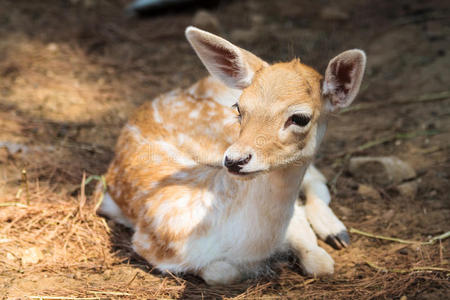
x: 232, y: 65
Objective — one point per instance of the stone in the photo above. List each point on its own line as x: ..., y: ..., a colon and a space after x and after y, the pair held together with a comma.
x: 385, y: 171
x: 408, y: 189
x: 206, y: 21
x: 368, y: 192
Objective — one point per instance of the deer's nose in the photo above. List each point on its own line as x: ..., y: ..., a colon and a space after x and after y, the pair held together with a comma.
x: 235, y: 166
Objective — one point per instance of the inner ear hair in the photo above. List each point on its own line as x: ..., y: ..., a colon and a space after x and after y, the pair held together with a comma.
x: 343, y: 78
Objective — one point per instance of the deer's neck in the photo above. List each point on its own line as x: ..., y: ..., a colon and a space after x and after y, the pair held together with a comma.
x: 273, y: 191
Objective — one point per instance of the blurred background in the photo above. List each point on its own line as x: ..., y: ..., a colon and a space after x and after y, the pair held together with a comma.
x: 72, y: 71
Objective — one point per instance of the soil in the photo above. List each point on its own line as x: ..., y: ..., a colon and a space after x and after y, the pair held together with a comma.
x: 71, y: 72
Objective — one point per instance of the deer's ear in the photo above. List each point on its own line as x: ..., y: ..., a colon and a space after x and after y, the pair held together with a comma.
x: 232, y: 65
x: 343, y: 78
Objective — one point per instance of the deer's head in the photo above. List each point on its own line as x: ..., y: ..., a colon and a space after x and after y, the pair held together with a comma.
x: 282, y: 109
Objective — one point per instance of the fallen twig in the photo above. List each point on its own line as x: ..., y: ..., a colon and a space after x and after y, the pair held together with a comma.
x: 309, y: 281
x: 132, y: 279
x: 381, y: 237
x: 403, y: 271
x: 382, y: 140
x: 445, y: 95
x: 438, y: 238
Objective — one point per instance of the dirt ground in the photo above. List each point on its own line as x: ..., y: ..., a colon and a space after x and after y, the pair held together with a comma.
x: 71, y: 72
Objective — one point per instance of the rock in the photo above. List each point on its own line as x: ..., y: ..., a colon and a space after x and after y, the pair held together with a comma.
x: 333, y: 13
x: 206, y: 21
x: 408, y: 189
x: 32, y: 256
x: 368, y: 192
x: 385, y: 171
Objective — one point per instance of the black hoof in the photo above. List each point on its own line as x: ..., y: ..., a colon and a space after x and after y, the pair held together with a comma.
x: 338, y: 241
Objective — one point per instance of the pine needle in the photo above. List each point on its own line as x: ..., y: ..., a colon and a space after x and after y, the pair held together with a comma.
x: 5, y: 204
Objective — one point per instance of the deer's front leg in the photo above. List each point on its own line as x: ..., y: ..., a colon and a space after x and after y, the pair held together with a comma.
x: 302, y: 240
x: 322, y: 219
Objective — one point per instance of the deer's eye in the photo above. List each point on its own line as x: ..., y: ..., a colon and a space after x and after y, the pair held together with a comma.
x: 298, y: 119
x: 236, y: 106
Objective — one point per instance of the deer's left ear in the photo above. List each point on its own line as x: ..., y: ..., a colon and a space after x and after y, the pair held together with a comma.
x: 343, y: 78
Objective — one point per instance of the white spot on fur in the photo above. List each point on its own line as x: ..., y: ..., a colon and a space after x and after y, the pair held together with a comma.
x: 142, y: 240
x: 194, y: 114
x: 181, y: 138
x: 230, y: 118
x: 174, y: 154
x: 156, y: 115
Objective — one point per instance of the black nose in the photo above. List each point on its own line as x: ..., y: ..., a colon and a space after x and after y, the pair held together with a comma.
x: 235, y: 166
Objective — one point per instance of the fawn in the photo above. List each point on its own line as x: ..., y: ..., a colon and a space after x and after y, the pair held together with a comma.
x: 209, y: 177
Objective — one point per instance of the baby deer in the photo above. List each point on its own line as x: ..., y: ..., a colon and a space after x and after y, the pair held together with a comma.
x: 209, y: 177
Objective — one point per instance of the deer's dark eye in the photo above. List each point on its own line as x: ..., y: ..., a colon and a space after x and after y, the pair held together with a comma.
x: 298, y: 119
x: 236, y: 106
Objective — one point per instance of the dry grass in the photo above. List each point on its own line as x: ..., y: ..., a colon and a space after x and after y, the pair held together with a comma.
x: 80, y: 256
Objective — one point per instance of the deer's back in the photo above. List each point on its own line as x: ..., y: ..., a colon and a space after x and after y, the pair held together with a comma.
x: 170, y: 151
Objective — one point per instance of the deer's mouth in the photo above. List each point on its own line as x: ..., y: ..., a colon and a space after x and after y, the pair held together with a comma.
x: 239, y: 173
x: 244, y: 175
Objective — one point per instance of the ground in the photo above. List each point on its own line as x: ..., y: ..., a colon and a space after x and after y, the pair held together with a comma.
x: 71, y: 72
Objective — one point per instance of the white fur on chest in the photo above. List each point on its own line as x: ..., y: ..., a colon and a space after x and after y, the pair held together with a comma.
x: 256, y: 227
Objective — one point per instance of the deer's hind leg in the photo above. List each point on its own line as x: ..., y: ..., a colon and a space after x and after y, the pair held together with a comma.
x: 221, y: 272
x: 110, y: 209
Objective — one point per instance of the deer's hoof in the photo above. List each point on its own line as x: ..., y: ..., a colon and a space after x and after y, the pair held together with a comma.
x: 338, y: 241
